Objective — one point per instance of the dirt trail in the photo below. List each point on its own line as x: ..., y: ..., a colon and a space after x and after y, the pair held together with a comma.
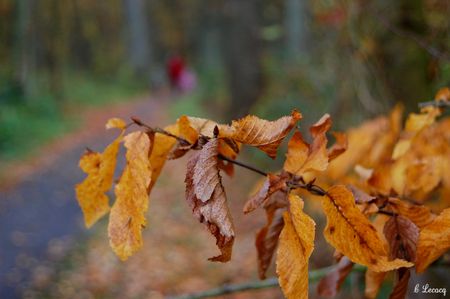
x: 39, y: 216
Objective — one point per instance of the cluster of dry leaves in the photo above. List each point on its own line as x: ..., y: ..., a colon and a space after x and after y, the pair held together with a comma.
x: 380, y: 215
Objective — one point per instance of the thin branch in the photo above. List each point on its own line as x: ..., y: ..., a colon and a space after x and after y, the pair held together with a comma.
x: 249, y: 167
x: 314, y: 275
x: 433, y: 51
x: 438, y: 104
x: 138, y: 122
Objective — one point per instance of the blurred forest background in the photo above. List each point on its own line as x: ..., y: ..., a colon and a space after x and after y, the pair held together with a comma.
x: 60, y: 59
x: 260, y: 56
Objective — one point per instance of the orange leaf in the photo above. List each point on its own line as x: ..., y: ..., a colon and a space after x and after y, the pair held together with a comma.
x: 351, y: 233
x: 162, y: 146
x: 91, y: 192
x: 266, y: 135
x: 295, y: 247
x: 127, y: 214
x: 434, y: 240
x: 303, y: 157
x: 213, y: 211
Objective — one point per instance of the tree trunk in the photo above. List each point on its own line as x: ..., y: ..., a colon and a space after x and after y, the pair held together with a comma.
x: 139, y: 52
x: 24, y: 47
x: 242, y: 51
x: 296, y: 27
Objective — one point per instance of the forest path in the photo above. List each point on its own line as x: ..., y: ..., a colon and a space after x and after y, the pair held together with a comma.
x: 39, y: 216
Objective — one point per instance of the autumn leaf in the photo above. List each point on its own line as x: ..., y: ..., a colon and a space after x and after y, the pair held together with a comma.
x: 91, y: 192
x: 351, y: 233
x: 330, y: 284
x: 303, y: 157
x: 434, y: 240
x: 402, y: 235
x: 206, y: 172
x: 419, y: 214
x: 263, y: 134
x: 272, y: 184
x: 295, y: 247
x: 401, y: 284
x: 339, y: 147
x: 443, y: 95
x: 267, y: 240
x: 115, y: 123
x: 213, y: 211
x: 162, y: 146
x: 127, y: 216
x: 186, y: 131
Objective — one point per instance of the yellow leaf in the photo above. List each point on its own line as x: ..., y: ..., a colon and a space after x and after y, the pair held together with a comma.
x: 302, y: 157
x: 186, y: 131
x: 162, y: 145
x: 116, y: 123
x: 351, y: 233
x: 434, y: 240
x: 127, y: 214
x: 295, y: 247
x: 91, y: 192
x: 264, y: 134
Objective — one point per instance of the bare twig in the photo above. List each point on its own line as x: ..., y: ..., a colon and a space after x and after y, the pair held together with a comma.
x: 314, y: 275
x: 433, y: 51
x: 439, y: 104
x: 249, y: 167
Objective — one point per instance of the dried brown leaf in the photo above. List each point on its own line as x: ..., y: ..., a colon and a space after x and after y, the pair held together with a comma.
x: 272, y: 184
x: 214, y: 212
x: 402, y: 235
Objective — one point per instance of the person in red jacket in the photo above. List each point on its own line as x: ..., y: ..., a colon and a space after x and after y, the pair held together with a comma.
x: 175, y: 68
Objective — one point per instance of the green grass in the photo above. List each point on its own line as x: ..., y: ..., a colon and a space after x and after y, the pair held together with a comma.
x: 27, y: 124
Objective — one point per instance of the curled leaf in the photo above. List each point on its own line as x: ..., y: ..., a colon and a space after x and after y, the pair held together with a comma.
x: 272, y: 184
x: 116, y: 123
x: 127, y: 216
x: 213, y: 212
x: 263, y: 134
x: 206, y: 172
x: 91, y: 192
x: 267, y: 240
x: 295, y: 247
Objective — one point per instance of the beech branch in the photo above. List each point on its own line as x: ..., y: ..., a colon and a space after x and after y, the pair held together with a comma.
x: 271, y: 282
x: 439, y: 104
